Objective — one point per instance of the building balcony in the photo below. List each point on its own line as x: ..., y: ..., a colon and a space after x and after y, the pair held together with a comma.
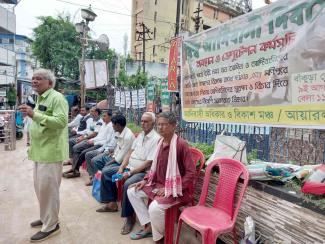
x: 233, y: 7
x: 25, y: 58
x: 6, y: 79
x: 7, y: 21
x: 7, y: 57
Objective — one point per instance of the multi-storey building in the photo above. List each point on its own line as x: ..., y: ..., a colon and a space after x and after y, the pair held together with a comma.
x: 7, y: 54
x: 212, y: 12
x: 25, y: 63
x: 159, y: 16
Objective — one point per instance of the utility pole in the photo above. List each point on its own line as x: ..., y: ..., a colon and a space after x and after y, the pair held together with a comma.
x: 177, y: 17
x: 144, y: 36
x: 82, y: 28
x: 197, y: 18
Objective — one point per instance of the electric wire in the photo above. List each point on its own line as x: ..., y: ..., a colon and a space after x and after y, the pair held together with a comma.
x: 114, y: 12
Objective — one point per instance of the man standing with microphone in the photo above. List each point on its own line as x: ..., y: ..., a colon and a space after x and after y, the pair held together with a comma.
x: 48, y: 148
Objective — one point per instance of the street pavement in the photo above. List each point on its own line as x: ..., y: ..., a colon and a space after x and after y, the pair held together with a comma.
x: 79, y: 222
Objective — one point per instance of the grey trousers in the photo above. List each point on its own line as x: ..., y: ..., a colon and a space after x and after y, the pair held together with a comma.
x: 89, y: 156
x: 47, y: 180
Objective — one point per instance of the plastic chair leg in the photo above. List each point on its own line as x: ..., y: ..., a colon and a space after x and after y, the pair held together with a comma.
x: 209, y: 238
x: 170, y: 216
x: 179, y: 227
x: 84, y: 165
x: 119, y: 185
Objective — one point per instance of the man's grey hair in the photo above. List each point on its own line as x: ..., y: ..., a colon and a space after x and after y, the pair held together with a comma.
x: 151, y: 115
x: 170, y: 116
x: 46, y: 74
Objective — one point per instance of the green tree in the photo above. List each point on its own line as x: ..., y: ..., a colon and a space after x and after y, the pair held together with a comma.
x: 56, y: 46
x: 136, y: 81
x: 140, y: 79
x: 123, y: 79
x: 11, y: 96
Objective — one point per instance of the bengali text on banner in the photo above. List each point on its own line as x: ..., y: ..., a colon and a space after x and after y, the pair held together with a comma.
x: 263, y: 68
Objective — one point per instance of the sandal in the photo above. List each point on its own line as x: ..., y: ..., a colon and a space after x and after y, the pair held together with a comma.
x: 64, y: 174
x: 67, y: 163
x: 127, y: 227
x: 140, y: 235
x: 73, y: 174
x: 106, y: 209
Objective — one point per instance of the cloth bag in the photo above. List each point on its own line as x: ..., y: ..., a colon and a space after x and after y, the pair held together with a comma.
x: 315, y: 183
x: 229, y: 147
x: 96, y: 186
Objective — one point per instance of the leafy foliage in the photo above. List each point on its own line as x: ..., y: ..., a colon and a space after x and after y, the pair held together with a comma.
x: 97, y: 95
x: 252, y: 155
x: 206, y: 149
x: 57, y: 47
x: 139, y: 80
x: 11, y: 96
x: 134, y: 128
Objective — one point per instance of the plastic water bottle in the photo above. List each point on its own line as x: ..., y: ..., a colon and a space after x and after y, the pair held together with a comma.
x: 118, y: 176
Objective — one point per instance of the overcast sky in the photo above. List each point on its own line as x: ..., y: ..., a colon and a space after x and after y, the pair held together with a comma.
x: 107, y: 22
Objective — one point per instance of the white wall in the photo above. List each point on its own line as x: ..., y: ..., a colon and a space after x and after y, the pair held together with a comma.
x: 7, y: 20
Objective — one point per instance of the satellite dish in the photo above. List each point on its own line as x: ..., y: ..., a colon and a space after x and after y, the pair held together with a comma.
x: 102, y: 42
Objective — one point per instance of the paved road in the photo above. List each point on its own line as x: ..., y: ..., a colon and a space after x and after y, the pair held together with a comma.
x: 79, y: 221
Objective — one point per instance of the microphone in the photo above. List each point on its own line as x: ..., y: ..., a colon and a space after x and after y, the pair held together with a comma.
x: 30, y: 102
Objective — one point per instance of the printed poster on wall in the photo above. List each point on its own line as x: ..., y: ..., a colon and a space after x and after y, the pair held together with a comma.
x: 134, y: 94
x: 150, y: 96
x: 263, y: 68
x: 142, y: 98
x: 127, y: 99
x: 122, y: 99
x: 165, y: 98
x: 117, y: 98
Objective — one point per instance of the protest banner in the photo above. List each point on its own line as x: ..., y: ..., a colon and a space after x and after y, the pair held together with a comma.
x: 173, y: 63
x: 165, y: 98
x: 150, y: 96
x: 263, y: 68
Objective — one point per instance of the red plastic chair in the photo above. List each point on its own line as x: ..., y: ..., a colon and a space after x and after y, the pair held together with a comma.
x: 221, y: 218
x: 198, y: 156
x: 172, y: 212
x: 119, y: 185
x: 84, y: 165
